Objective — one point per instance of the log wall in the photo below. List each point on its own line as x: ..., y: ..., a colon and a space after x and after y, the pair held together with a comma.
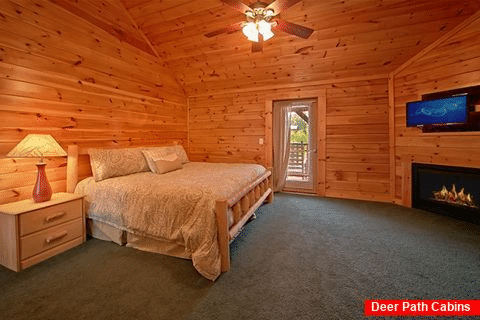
x: 452, y: 62
x: 354, y: 149
x: 64, y: 76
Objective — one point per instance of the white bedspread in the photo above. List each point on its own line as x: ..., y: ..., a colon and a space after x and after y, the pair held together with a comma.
x: 177, y: 206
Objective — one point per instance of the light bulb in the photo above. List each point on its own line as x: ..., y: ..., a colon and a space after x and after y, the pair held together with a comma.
x: 268, y: 13
x: 250, y: 31
x: 265, y: 29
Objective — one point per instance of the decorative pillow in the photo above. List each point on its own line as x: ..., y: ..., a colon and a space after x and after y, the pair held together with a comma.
x: 154, y: 154
x: 108, y: 163
x: 182, y: 155
x: 169, y: 163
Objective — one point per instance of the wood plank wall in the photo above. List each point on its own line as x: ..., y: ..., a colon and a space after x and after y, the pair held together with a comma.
x: 226, y: 127
x: 63, y: 76
x: 453, y: 62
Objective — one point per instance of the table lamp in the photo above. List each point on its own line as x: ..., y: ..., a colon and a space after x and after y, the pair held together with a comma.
x: 39, y: 146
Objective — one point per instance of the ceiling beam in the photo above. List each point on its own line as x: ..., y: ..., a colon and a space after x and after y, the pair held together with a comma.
x: 115, y: 30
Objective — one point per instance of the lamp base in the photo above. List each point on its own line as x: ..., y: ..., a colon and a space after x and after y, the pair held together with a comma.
x: 42, y: 191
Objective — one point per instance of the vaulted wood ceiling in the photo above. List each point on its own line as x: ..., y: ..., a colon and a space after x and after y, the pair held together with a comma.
x: 352, y: 38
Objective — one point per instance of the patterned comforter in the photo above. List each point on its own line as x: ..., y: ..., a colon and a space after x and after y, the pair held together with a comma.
x: 177, y: 206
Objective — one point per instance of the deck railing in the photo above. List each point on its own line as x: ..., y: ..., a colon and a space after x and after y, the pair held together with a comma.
x: 298, y: 161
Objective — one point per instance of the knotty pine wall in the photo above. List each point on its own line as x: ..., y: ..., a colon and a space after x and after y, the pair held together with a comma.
x: 453, y: 62
x: 63, y: 76
x: 227, y: 126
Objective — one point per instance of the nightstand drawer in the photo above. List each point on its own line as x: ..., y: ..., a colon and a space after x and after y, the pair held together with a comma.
x: 44, y: 240
x: 51, y: 216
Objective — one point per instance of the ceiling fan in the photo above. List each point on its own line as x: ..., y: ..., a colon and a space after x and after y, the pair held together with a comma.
x: 261, y: 19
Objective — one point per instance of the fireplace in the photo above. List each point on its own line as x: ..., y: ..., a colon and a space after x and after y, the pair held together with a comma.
x: 452, y: 191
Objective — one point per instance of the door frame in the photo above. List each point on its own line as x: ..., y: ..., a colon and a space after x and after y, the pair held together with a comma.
x: 321, y: 96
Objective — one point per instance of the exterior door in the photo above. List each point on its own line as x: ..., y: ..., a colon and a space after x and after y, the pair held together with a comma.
x: 303, y: 150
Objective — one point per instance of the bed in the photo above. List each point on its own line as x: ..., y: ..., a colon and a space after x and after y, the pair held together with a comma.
x: 193, y: 211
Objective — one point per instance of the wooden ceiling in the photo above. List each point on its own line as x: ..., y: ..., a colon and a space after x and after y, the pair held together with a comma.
x: 352, y: 38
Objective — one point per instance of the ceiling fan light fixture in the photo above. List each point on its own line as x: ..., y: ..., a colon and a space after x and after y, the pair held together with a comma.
x: 265, y: 28
x: 268, y: 13
x: 261, y: 18
x: 250, y: 31
x: 250, y: 14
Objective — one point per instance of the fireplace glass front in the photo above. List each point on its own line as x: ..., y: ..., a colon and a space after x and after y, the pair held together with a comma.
x: 453, y: 191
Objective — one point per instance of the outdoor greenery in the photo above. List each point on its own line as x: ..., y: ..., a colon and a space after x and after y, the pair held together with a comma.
x: 300, y: 133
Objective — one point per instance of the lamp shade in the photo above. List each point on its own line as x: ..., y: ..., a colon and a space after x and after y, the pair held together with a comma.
x: 37, y: 146
x: 265, y: 28
x: 250, y: 31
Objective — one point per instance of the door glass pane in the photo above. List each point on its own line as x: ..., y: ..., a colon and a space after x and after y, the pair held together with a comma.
x: 299, y: 162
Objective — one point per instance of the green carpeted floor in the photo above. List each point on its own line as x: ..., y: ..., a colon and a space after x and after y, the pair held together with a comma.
x: 302, y: 258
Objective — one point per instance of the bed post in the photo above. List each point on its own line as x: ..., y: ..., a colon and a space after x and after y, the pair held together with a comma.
x: 221, y: 207
x: 72, y: 168
x: 270, y: 185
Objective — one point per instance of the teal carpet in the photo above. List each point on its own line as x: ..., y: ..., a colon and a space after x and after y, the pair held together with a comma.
x: 302, y: 258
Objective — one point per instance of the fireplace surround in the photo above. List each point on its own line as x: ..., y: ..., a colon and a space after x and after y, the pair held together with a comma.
x: 448, y: 190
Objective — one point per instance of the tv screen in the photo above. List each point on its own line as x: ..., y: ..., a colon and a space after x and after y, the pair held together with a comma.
x: 453, y: 110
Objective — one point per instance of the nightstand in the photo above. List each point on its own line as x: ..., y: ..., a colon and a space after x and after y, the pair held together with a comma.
x: 31, y: 232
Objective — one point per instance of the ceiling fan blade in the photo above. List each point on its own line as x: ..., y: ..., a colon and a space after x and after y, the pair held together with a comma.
x: 258, y: 46
x: 230, y: 29
x: 237, y: 5
x: 292, y: 28
x: 281, y: 5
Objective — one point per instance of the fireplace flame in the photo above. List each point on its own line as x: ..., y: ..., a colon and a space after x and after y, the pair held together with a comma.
x: 454, y: 197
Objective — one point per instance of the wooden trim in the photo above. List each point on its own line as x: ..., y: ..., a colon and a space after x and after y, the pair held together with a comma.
x: 269, y: 132
x: 438, y: 42
x: 407, y: 184
x: 84, y: 221
x: 391, y: 132
x: 295, y: 85
x: 72, y: 168
x: 270, y: 185
x: 221, y: 208
x: 321, y: 143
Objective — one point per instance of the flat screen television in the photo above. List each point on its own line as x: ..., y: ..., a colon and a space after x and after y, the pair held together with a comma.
x: 452, y: 110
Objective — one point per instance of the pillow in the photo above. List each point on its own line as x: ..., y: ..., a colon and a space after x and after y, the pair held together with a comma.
x: 159, y: 152
x: 167, y: 164
x: 154, y: 154
x: 182, y: 155
x: 108, y: 163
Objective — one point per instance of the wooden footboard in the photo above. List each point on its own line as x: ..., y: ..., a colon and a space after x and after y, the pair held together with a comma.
x: 243, y: 206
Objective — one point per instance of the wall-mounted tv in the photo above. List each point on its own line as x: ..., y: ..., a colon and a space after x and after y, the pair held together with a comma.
x: 452, y: 110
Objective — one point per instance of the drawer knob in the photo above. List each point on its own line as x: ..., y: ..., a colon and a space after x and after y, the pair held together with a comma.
x: 55, y: 216
x: 55, y: 237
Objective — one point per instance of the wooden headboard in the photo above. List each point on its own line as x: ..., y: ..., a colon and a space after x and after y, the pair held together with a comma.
x: 78, y: 162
